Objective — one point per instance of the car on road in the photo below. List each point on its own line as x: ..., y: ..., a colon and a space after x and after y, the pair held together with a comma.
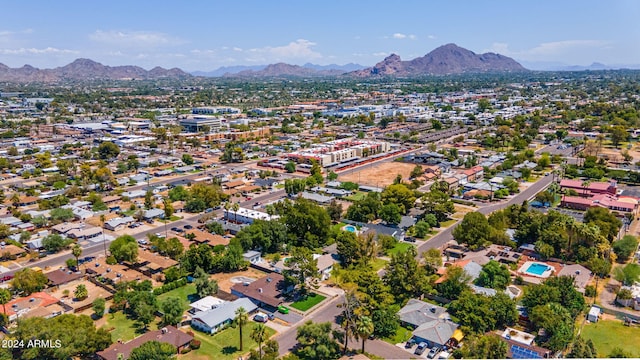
x: 283, y: 309
x: 188, y: 227
x: 421, y: 348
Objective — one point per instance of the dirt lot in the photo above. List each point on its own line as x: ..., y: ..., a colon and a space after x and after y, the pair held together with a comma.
x: 93, y: 290
x: 224, y: 279
x: 380, y: 174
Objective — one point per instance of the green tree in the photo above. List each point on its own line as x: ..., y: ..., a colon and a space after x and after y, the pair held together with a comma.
x: 99, y: 305
x: 400, y: 195
x: 55, y: 242
x: 334, y: 209
x: 108, y: 150
x: 5, y: 297
x: 81, y: 292
x: 168, y: 208
x: 303, y: 269
x: 124, y: 248
x: 625, y: 247
x: 172, y: 310
x: 619, y: 353
x: 259, y: 335
x: 153, y: 350
x: 627, y: 274
x: 582, y: 349
x: 405, y: 277
x: 78, y: 336
x: 290, y: 167
x: 316, y: 342
x: 494, y: 275
x: 456, y: 282
x: 27, y: 281
x: 148, y: 199
x: 187, y: 159
x: 204, y: 285
x: 390, y: 213
x: 61, y: 215
x: 364, y: 328
x: 76, y: 251
x: 474, y: 230
x: 241, y: 320
x: 422, y: 228
x: 618, y: 134
x: 488, y: 346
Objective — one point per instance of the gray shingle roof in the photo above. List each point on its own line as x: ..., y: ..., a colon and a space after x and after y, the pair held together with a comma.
x: 224, y: 312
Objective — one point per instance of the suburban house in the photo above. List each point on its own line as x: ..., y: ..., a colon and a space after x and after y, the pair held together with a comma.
x: 431, y: 323
x: 118, y: 223
x: 246, y: 216
x: 38, y: 304
x: 204, y: 304
x: 580, y: 274
x: 520, y: 345
x: 325, y: 265
x: 268, y: 290
x: 84, y: 233
x: 471, y: 267
x: 611, y: 202
x: 590, y: 188
x: 252, y: 256
x: 167, y: 334
x: 214, y: 319
x: 153, y: 214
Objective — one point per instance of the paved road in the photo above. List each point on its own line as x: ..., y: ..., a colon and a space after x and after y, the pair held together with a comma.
x: 329, y: 312
x: 444, y: 236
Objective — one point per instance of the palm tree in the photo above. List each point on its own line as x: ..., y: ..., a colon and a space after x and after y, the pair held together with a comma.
x: 5, y: 297
x: 364, y: 328
x: 259, y: 334
x: 235, y: 208
x: 585, y: 185
x: 348, y: 315
x: 104, y: 240
x: 227, y: 206
x: 76, y: 251
x: 241, y: 320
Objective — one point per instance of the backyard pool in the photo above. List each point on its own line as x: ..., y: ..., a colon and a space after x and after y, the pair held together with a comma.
x: 350, y: 228
x: 536, y: 269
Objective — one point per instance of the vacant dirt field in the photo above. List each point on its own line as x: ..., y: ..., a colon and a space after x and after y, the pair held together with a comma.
x: 224, y: 279
x: 380, y: 174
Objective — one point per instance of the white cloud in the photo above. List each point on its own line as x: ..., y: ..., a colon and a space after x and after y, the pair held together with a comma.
x: 145, y: 39
x: 431, y: 37
x: 34, y: 51
x: 299, y: 49
x: 566, y: 49
x: 402, y: 36
x: 381, y: 53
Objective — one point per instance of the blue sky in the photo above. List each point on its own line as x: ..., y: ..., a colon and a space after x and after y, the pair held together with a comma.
x: 204, y: 35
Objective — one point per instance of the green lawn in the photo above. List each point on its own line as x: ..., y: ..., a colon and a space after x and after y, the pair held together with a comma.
x: 123, y: 327
x: 185, y: 293
x: 401, y: 335
x: 378, y: 264
x: 356, y: 196
x: 607, y: 334
x: 447, y: 223
x: 399, y: 248
x: 225, y: 345
x: 338, y: 226
x: 312, y: 300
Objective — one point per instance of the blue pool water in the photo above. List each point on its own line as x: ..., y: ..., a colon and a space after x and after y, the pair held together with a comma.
x: 537, y: 269
x: 350, y: 228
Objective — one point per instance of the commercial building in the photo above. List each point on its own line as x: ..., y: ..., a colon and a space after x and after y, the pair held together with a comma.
x: 339, y: 151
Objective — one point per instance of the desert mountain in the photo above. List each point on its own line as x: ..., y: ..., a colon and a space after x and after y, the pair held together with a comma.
x: 282, y: 69
x: 85, y: 69
x: 447, y: 59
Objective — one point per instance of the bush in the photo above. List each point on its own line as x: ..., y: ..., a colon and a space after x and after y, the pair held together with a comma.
x: 195, y: 344
x: 111, y: 260
x: 185, y: 350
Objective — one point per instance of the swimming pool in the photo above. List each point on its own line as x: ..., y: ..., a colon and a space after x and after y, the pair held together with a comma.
x: 537, y: 269
x: 350, y: 228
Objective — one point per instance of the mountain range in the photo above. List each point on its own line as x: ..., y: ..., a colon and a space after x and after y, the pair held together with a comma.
x: 444, y: 60
x: 86, y: 69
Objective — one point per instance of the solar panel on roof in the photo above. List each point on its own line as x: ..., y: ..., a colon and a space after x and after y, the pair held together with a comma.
x: 518, y: 352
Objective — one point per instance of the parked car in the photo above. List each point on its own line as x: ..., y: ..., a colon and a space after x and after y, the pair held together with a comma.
x: 283, y: 309
x: 433, y: 352
x: 409, y: 344
x: 421, y: 348
x: 175, y: 229
x: 188, y: 227
x: 261, y: 317
x: 271, y: 316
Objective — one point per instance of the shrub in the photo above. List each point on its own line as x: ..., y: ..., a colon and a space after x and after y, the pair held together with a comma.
x: 195, y: 344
